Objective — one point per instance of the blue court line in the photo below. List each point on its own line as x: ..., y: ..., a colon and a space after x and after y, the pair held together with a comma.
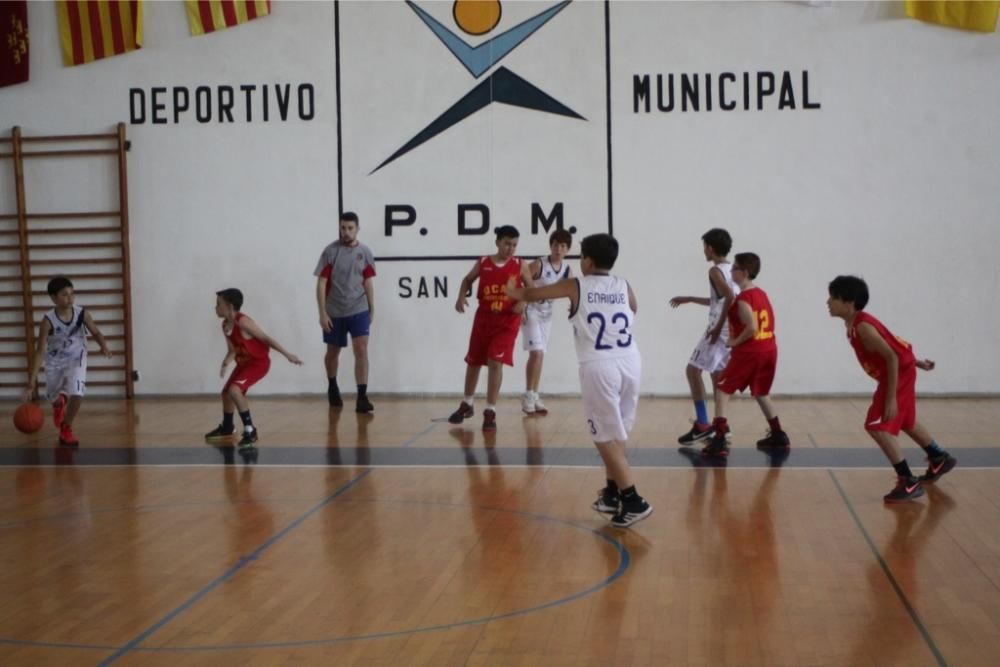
x: 892, y: 580
x: 244, y: 561
x: 28, y: 642
x: 624, y: 561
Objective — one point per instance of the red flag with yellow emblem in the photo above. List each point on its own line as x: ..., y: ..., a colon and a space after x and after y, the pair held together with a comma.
x: 13, y: 42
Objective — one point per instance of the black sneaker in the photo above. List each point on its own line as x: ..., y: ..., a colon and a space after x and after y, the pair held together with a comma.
x: 333, y: 396
x: 607, y: 502
x: 938, y: 466
x: 248, y: 439
x: 906, y: 489
x: 364, y: 406
x: 632, y: 513
x: 489, y: 420
x: 219, y: 433
x: 464, y: 412
x: 774, y: 440
x: 698, y: 432
x: 717, y: 446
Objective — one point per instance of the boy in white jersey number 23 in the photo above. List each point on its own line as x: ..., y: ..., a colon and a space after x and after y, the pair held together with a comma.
x: 602, y: 309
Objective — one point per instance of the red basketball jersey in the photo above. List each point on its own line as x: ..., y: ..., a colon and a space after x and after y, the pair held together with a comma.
x: 764, y: 339
x: 872, y: 362
x: 493, y: 279
x: 248, y: 350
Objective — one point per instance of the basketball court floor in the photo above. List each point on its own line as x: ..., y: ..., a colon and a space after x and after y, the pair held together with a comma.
x: 399, y: 539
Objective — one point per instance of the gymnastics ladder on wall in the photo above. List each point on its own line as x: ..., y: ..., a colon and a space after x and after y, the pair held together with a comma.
x: 90, y: 247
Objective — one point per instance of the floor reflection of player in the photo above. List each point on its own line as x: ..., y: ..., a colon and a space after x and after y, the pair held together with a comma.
x: 914, y: 527
x: 533, y: 452
x: 362, y: 451
x: 747, y: 562
x: 254, y: 522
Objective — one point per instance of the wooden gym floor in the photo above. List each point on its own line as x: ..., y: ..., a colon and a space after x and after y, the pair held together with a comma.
x: 395, y: 539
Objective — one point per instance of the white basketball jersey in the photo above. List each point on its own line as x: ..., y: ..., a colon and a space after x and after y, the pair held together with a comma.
x: 548, y: 276
x: 67, y: 342
x: 602, y: 323
x: 716, y: 300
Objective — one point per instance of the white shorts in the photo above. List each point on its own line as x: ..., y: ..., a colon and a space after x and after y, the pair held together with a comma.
x: 610, y: 391
x: 711, y: 357
x: 70, y: 380
x: 535, y: 332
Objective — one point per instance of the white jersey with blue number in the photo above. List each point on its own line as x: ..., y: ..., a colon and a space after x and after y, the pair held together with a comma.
x: 67, y: 342
x: 602, y: 323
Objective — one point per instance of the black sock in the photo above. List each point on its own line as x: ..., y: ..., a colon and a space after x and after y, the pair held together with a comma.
x: 227, y: 421
x: 245, y: 418
x: 903, y: 469
x: 630, y: 495
x: 332, y: 387
x: 611, y: 488
x: 362, y: 391
x: 934, y: 450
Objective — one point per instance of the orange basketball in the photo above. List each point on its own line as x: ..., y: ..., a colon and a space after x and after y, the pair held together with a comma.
x: 28, y: 418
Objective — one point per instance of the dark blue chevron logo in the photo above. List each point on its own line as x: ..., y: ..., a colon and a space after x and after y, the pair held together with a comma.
x: 501, y: 86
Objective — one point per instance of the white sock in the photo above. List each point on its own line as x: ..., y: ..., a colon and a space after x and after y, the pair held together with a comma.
x: 469, y: 399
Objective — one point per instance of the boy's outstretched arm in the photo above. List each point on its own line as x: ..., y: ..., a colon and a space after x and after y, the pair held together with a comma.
x: 248, y: 325
x: 563, y: 289
x: 528, y: 280
x: 36, y: 360
x: 925, y: 364
x: 92, y: 328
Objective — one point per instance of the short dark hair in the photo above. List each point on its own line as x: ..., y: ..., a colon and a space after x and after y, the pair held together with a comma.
x: 232, y: 296
x: 719, y: 240
x: 561, y: 236
x: 602, y: 249
x: 850, y: 289
x: 58, y: 284
x: 749, y: 262
x: 350, y: 216
x: 507, y: 232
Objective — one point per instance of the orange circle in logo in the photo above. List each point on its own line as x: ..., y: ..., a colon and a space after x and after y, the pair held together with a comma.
x: 476, y: 17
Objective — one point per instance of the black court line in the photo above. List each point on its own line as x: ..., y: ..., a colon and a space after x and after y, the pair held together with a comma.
x: 353, y: 455
x: 914, y: 616
x: 231, y: 572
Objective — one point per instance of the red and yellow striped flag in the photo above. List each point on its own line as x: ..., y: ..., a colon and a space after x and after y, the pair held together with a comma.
x: 93, y: 29
x: 205, y: 16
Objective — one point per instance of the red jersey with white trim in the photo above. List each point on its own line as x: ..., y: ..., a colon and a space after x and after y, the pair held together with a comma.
x: 248, y: 350
x: 492, y: 293
x: 764, y: 339
x: 872, y: 362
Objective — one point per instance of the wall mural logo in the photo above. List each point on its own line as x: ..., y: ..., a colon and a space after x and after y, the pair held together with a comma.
x: 476, y: 18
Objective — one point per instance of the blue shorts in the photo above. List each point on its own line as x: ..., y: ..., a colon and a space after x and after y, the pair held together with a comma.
x: 357, y: 325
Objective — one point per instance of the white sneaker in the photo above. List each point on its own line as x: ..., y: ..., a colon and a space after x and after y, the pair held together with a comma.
x: 528, y: 404
x: 540, y: 408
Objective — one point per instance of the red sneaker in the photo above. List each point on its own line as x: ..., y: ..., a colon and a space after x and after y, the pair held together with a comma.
x: 66, y: 437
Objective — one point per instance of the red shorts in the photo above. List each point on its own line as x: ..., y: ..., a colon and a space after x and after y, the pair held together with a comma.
x: 906, y: 405
x: 493, y: 337
x: 754, y: 370
x: 247, y: 375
